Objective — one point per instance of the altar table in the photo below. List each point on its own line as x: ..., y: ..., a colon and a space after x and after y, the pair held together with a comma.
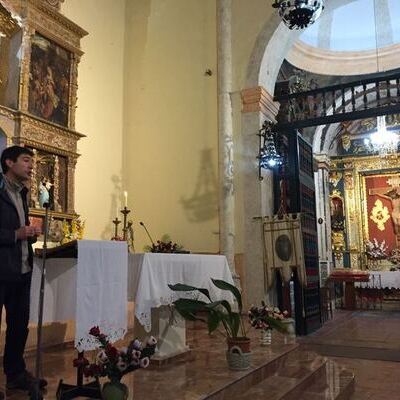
x: 148, y: 278
x: 91, y: 289
x: 389, y: 279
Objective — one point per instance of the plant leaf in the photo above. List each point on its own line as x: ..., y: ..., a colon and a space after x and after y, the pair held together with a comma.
x: 235, y: 323
x: 213, y: 321
x: 220, y: 284
x: 181, y: 287
x: 223, y: 303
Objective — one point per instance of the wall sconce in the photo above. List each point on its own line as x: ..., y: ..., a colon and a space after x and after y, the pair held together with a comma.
x: 268, y: 157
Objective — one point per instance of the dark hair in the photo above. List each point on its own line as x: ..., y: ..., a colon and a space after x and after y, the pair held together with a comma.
x: 12, y: 153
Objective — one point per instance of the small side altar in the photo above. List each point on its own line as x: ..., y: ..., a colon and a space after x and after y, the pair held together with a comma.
x: 349, y: 277
x: 148, y: 277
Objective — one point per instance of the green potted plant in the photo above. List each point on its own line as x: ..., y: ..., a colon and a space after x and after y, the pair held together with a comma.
x: 217, y: 313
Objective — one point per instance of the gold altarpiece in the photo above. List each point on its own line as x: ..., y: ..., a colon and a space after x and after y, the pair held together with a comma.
x: 348, y: 179
x: 39, y: 57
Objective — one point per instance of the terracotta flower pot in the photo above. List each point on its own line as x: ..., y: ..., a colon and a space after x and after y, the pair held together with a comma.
x: 238, y: 354
x: 242, y: 342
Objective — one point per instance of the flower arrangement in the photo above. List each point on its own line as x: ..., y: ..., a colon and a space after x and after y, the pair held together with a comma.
x: 115, y: 363
x: 267, y: 318
x: 394, y: 257
x: 164, y: 245
x: 375, y: 250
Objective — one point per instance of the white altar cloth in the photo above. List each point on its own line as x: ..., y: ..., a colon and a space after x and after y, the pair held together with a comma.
x: 150, y: 274
x: 389, y: 279
x: 97, y: 279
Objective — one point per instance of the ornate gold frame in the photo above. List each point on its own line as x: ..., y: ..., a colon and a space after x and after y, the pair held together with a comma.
x: 22, y: 128
x: 355, y: 170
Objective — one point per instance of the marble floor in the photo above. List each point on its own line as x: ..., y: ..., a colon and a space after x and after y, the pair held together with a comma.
x: 203, y: 372
x: 366, y: 342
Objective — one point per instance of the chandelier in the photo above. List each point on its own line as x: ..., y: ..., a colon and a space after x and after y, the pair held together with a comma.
x: 268, y: 157
x: 382, y: 141
x: 299, y: 14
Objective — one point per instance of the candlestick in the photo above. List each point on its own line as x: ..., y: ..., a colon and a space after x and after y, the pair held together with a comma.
x: 116, y: 222
x: 125, y: 213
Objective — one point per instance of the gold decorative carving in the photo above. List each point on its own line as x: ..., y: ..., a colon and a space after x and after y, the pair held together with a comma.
x: 380, y: 215
x: 43, y: 17
x: 335, y: 177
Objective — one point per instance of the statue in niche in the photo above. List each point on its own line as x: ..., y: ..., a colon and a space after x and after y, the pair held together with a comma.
x: 337, y: 214
x: 45, y: 187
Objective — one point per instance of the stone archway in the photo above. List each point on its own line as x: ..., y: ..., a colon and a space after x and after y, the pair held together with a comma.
x: 270, y: 49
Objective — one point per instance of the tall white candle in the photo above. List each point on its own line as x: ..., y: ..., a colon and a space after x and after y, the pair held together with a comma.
x: 117, y: 211
x: 126, y: 198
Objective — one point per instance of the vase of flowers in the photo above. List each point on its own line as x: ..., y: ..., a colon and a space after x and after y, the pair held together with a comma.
x: 267, y: 318
x: 219, y: 312
x: 375, y: 252
x: 114, y: 363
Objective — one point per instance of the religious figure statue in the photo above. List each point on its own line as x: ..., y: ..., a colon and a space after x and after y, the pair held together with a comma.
x: 44, y: 191
x: 392, y: 194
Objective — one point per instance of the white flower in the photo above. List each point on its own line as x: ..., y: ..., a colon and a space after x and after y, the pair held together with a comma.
x: 152, y: 341
x: 121, y: 364
x: 144, y: 362
x: 135, y: 362
x: 137, y: 345
x: 136, y: 353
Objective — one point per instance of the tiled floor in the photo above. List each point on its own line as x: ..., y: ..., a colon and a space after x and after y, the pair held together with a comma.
x: 376, y: 333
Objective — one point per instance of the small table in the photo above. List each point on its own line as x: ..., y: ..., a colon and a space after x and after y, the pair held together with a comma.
x: 349, y: 277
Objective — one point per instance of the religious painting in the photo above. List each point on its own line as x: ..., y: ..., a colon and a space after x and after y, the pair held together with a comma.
x: 382, y: 209
x: 49, y: 81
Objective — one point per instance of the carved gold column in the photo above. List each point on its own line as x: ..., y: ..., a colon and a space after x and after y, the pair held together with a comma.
x: 71, y: 185
x: 56, y: 187
x: 74, y: 89
x: 34, y: 195
x: 23, y: 99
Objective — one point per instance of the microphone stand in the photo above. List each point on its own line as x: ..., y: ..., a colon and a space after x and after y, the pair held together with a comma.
x: 36, y: 393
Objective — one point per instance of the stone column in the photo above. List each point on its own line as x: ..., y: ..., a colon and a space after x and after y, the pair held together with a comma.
x: 225, y: 129
x: 323, y: 215
x: 257, y: 106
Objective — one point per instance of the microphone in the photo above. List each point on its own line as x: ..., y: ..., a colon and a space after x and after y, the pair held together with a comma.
x: 148, y: 234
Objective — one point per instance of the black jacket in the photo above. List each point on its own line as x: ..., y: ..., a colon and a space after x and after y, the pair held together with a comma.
x: 10, y: 250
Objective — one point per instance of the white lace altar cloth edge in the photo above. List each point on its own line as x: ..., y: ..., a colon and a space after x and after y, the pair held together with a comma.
x: 101, y: 271
x: 101, y: 291
x: 389, y: 279
x: 150, y: 273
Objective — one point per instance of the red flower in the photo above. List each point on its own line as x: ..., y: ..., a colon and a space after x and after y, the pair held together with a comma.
x: 111, y: 351
x: 95, y: 331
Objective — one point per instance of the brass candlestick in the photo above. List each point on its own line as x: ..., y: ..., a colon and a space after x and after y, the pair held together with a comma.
x: 116, y: 222
x: 125, y: 213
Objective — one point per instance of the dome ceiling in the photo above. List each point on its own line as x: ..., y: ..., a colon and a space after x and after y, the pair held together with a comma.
x: 352, y: 27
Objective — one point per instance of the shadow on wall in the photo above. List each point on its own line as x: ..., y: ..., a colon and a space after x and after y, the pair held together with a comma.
x: 203, y: 204
x: 115, y: 207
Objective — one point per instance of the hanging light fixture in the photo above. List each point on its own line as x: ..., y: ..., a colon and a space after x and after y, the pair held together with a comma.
x: 382, y: 141
x: 268, y: 157
x: 299, y: 14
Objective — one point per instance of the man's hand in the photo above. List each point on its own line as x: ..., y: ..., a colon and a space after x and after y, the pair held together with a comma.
x: 26, y: 232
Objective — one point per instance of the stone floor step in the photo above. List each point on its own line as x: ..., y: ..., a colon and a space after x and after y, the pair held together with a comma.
x: 296, y: 371
x: 338, y: 385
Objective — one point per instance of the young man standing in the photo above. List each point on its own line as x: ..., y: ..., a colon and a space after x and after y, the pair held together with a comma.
x: 16, y: 255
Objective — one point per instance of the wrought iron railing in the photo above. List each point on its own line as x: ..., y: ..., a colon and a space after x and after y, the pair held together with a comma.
x: 360, y: 99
